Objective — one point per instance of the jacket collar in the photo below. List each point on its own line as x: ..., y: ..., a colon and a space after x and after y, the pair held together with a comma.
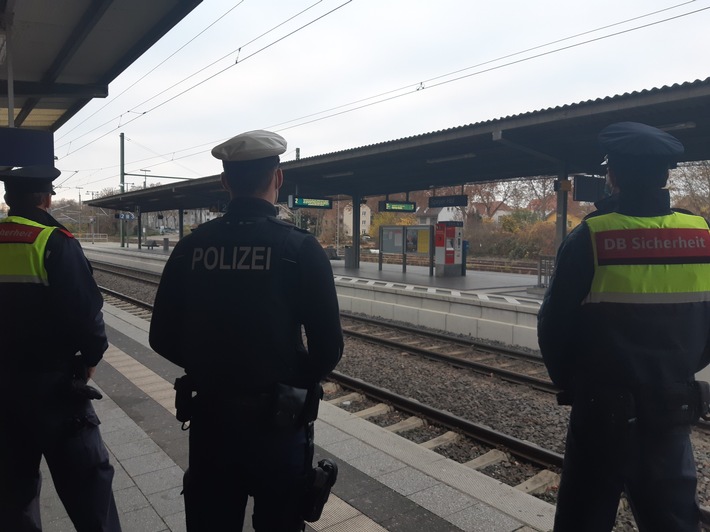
x: 250, y: 207
x: 37, y: 215
x: 652, y: 202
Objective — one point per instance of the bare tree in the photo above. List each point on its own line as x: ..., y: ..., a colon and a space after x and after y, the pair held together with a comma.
x: 539, y: 195
x: 492, y: 196
x: 690, y: 187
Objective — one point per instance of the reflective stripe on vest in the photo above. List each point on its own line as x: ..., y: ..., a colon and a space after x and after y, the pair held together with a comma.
x: 660, y: 259
x: 22, y: 248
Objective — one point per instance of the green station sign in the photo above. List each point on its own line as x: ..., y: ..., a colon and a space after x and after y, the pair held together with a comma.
x: 297, y: 202
x: 398, y: 206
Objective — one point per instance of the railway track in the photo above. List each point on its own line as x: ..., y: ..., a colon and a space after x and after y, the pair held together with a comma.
x: 508, y: 364
x: 519, y: 448
x: 128, y: 273
x: 477, y: 356
x: 500, y: 447
x: 511, y: 365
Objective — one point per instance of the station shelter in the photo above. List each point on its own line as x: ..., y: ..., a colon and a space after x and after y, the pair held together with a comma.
x: 560, y: 142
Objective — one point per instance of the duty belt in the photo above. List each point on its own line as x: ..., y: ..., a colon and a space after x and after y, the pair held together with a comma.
x: 661, y: 407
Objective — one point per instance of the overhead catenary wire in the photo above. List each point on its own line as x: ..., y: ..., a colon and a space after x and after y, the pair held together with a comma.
x: 423, y: 84
x: 426, y: 84
x: 418, y: 85
x: 232, y: 52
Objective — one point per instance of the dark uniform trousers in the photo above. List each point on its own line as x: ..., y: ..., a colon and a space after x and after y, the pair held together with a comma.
x: 36, y: 422
x: 655, y: 468
x: 232, y: 457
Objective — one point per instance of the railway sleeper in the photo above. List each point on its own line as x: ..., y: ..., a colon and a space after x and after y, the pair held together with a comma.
x: 377, y: 410
x: 540, y: 482
x: 484, y: 358
x: 510, y: 364
x: 447, y: 437
x: 492, y: 457
x: 351, y: 397
x: 412, y: 422
x: 331, y: 388
x: 459, y: 353
x: 442, y: 349
x: 536, y: 372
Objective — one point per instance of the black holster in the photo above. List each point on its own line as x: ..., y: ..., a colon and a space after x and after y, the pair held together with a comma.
x: 295, y: 407
x: 81, y: 390
x: 184, y: 398
x: 610, y: 411
x: 320, y: 479
x: 675, y: 405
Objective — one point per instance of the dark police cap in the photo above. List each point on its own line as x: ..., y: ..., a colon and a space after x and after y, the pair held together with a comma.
x: 29, y: 179
x: 636, y: 140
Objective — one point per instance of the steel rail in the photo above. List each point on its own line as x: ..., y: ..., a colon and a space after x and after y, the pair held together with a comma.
x: 520, y: 448
x: 479, y: 367
x: 518, y: 353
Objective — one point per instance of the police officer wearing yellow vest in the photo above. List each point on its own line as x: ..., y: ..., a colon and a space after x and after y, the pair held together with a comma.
x: 235, y: 297
x: 623, y: 328
x: 51, y: 339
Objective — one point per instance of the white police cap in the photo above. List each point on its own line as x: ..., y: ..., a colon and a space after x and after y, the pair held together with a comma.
x: 249, y: 146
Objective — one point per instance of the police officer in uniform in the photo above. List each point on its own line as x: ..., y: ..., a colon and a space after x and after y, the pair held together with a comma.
x: 52, y: 335
x: 623, y: 328
x: 234, y: 299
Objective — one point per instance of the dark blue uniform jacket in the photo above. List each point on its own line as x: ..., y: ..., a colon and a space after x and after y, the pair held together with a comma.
x: 42, y: 328
x: 235, y: 298
x: 597, y: 346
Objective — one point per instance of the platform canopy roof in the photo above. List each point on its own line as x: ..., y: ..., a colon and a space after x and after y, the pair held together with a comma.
x: 62, y: 54
x: 556, y: 141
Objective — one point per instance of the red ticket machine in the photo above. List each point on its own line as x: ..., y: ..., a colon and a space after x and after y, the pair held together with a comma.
x: 448, y: 244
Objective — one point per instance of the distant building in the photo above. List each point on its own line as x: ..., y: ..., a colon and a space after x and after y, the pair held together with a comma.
x: 432, y: 215
x: 365, y: 219
x: 493, y: 211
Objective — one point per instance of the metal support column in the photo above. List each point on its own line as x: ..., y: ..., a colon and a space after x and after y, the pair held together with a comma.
x: 562, y: 186
x: 121, y: 229
x: 354, y: 254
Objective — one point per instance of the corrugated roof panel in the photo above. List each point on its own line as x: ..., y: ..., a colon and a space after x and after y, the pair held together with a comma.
x: 84, y: 43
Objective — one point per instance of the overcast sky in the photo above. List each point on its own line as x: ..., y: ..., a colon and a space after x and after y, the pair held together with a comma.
x: 343, y: 74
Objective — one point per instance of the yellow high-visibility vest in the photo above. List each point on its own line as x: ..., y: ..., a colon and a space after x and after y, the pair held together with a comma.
x: 649, y: 260
x: 22, y: 250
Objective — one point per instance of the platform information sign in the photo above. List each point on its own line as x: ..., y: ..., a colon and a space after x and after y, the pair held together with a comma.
x: 448, y: 201
x: 398, y: 206
x: 296, y: 202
